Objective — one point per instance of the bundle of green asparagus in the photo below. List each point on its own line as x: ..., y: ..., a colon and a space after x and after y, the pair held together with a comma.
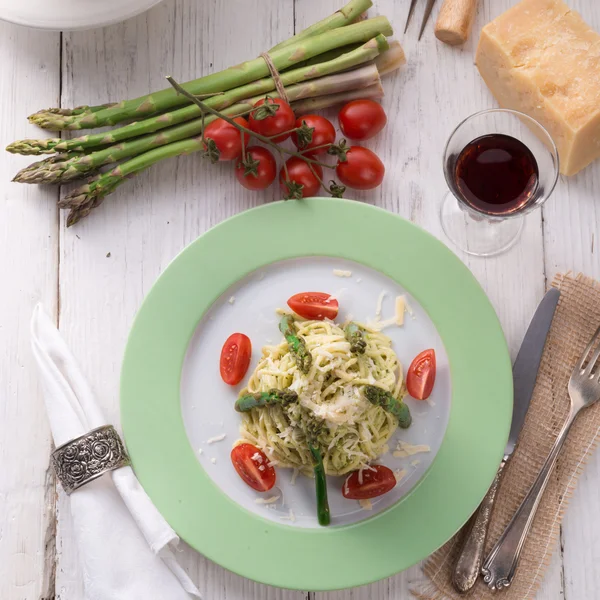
x: 338, y: 59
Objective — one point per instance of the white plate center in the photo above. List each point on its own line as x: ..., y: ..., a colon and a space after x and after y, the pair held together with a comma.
x: 249, y: 307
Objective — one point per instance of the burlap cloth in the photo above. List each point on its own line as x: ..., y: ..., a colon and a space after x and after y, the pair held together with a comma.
x: 575, y: 321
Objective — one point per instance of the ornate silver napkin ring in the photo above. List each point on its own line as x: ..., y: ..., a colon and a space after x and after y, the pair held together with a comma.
x: 88, y: 457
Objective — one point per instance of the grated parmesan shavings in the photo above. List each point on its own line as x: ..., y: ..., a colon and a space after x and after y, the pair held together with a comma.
x: 269, y: 500
x: 404, y: 449
x: 342, y: 273
x: 399, y: 474
x: 231, y: 300
x: 366, y: 504
x: 213, y: 460
x: 400, y: 308
x: 217, y: 438
x: 379, y: 306
x: 294, y: 475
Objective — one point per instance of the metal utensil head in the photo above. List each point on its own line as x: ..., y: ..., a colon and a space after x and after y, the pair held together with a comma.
x: 528, y: 361
x: 584, y: 383
x: 426, y: 16
x: 410, y: 12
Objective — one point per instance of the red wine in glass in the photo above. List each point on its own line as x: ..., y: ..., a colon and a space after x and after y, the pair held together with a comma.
x: 496, y: 174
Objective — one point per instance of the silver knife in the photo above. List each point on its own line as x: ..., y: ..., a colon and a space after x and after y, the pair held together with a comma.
x: 527, y: 363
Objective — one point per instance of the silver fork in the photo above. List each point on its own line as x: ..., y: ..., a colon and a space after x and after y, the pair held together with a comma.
x: 584, y: 390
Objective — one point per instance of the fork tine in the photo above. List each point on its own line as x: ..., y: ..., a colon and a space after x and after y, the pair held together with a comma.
x: 410, y: 12
x: 426, y: 16
x: 587, y: 350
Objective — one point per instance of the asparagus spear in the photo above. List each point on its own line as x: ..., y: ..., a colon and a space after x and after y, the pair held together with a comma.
x: 249, y: 401
x: 242, y: 74
x: 378, y: 396
x: 323, y: 512
x: 340, y: 18
x: 296, y: 344
x: 365, y: 52
x: 310, y: 105
x: 80, y: 166
x: 356, y: 336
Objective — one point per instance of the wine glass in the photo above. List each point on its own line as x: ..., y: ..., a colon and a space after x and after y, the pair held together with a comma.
x: 466, y: 222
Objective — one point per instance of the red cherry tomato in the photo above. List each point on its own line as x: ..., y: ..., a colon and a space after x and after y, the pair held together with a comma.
x: 283, y: 120
x: 235, y: 358
x: 227, y: 138
x: 362, y: 169
x: 323, y: 133
x: 421, y: 375
x: 253, y: 467
x: 374, y: 483
x: 300, y: 173
x: 314, y: 305
x: 266, y: 169
x: 362, y: 119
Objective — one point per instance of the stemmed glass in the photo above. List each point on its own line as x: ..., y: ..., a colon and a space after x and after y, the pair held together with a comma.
x: 472, y: 229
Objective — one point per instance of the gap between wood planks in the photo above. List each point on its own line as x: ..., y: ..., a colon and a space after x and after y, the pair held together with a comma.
x: 50, y: 553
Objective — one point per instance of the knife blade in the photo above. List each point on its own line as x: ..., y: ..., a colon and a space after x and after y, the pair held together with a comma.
x: 525, y: 369
x: 527, y: 363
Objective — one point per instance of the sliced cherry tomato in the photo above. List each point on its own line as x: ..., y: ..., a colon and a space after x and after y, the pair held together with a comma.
x: 362, y: 119
x: 235, y: 358
x: 300, y: 174
x: 314, y: 305
x: 362, y: 169
x: 374, y: 483
x: 261, y: 171
x: 253, y: 467
x: 421, y: 375
x: 227, y: 138
x: 282, y: 121
x: 323, y: 132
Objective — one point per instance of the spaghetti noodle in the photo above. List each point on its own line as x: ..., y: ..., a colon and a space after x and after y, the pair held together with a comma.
x: 351, y: 432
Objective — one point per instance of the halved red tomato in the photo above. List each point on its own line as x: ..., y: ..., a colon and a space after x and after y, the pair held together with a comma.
x: 376, y: 481
x: 235, y: 358
x: 421, y: 375
x: 252, y: 465
x: 314, y: 305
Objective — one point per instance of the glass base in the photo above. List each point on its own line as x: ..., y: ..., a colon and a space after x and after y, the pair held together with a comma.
x: 477, y: 235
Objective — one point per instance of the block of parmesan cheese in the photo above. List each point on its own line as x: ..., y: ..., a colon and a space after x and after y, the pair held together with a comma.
x: 542, y: 59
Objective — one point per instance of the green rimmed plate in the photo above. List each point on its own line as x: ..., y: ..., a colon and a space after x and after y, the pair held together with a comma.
x: 183, y: 487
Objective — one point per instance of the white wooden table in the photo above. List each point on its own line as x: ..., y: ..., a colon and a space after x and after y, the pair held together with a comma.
x: 93, y: 277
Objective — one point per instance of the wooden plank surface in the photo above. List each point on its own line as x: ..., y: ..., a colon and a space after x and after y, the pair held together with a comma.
x: 109, y: 262
x: 29, y: 78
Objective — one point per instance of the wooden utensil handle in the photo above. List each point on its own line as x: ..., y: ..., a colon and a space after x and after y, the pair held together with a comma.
x: 455, y: 20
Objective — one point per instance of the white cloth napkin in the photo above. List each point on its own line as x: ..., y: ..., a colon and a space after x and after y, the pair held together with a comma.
x: 124, y: 544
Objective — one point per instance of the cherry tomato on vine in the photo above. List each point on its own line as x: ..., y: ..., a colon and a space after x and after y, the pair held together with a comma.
x: 369, y: 483
x: 227, y: 138
x: 253, y: 467
x: 323, y: 133
x: 300, y: 174
x: 259, y: 171
x: 362, y: 169
x: 235, y: 358
x: 281, y: 121
x: 314, y: 305
x: 362, y: 119
x: 421, y: 375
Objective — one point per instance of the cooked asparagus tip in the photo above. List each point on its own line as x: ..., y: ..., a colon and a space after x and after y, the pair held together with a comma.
x: 323, y: 512
x: 378, y: 396
x: 356, y: 336
x: 247, y: 402
x: 296, y: 343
